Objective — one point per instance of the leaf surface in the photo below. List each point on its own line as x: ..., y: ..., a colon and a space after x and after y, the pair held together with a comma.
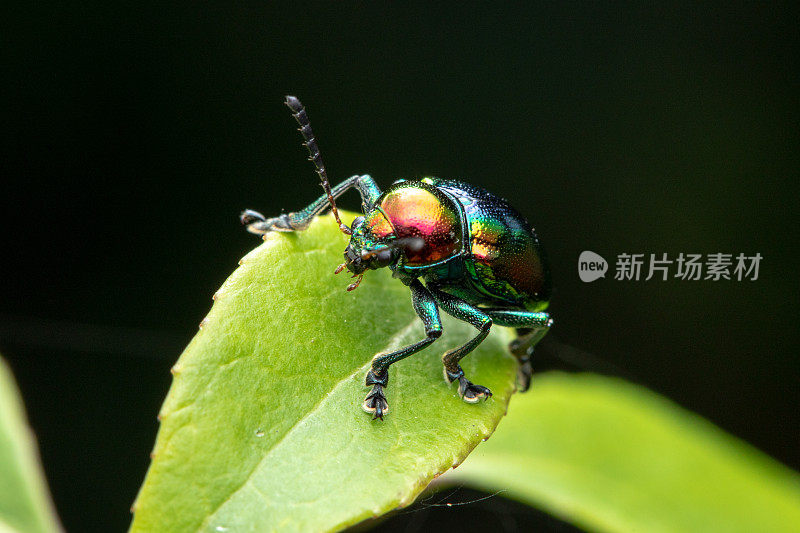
x: 612, y: 456
x: 262, y: 428
x: 24, y: 500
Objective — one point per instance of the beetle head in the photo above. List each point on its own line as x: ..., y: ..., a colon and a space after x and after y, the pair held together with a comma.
x: 373, y: 245
x: 365, y: 251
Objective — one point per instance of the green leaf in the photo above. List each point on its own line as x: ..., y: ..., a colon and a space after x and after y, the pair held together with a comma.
x: 25, y: 505
x: 611, y: 456
x: 262, y: 428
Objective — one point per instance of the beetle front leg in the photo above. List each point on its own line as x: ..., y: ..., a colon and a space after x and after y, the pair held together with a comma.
x: 378, y: 376
x: 257, y: 223
x: 298, y: 221
x: 458, y: 308
x: 531, y: 328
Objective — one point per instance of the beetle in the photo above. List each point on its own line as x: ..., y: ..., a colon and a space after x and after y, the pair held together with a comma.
x: 458, y: 248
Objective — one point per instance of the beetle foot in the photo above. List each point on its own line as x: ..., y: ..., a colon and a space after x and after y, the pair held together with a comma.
x: 468, y: 391
x: 257, y: 223
x: 375, y: 403
x: 472, y: 393
x: 524, y: 373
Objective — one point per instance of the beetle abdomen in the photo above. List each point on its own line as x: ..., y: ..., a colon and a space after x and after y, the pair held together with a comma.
x: 507, y: 261
x: 418, y: 210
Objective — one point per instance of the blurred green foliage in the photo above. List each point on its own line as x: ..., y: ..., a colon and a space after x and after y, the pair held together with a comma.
x: 612, y: 456
x: 25, y: 505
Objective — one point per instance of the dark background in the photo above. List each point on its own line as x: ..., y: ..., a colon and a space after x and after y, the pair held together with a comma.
x: 133, y: 137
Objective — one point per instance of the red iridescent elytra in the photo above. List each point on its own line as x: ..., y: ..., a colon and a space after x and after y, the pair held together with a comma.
x: 420, y: 212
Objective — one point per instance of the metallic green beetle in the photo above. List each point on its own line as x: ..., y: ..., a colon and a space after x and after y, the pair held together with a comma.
x: 480, y: 261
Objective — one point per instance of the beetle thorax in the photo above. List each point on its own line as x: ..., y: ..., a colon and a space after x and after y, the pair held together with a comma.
x: 420, y: 213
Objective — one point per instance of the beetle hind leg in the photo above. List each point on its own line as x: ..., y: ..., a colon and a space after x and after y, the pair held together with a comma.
x: 531, y: 328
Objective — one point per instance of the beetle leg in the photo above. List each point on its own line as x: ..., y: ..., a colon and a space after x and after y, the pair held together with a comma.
x: 298, y: 221
x: 531, y: 328
x: 378, y: 376
x: 462, y: 310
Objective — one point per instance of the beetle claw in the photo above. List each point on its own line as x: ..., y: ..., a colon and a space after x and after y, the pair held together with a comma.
x: 472, y: 393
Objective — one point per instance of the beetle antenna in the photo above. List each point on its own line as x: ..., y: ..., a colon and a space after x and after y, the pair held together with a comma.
x: 310, y: 142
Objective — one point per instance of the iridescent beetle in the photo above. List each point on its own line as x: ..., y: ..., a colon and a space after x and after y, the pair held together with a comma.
x: 479, y: 258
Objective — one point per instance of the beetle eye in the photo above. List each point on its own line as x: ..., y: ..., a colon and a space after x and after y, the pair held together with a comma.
x: 357, y: 222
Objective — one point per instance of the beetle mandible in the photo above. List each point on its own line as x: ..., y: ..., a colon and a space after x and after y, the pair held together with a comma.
x: 480, y: 260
